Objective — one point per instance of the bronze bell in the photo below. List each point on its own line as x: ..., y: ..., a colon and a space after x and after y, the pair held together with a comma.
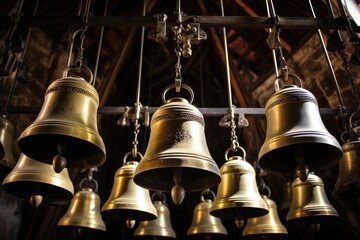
x: 203, y: 224
x: 127, y: 200
x: 296, y: 135
x: 7, y: 161
x: 65, y: 131
x: 238, y: 195
x: 349, y: 168
x: 84, y: 212
x: 267, y: 225
x: 160, y: 227
x: 177, y: 158
x: 38, y: 181
x: 309, y: 201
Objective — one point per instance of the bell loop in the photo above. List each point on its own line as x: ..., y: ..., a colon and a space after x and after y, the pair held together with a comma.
x: 186, y: 87
x: 131, y: 153
x: 238, y: 147
x: 207, y: 192
x: 161, y: 196
x: 297, y: 81
x: 89, y: 181
x: 83, y: 72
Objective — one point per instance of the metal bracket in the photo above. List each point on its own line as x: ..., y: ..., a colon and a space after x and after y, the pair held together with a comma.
x: 240, y: 117
x: 191, y: 34
x: 130, y: 115
x: 159, y: 33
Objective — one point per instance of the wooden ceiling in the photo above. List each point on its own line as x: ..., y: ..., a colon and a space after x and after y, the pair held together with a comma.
x: 252, y: 76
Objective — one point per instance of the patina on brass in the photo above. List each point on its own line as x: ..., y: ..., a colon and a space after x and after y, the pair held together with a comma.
x: 66, y: 128
x: 309, y: 201
x: 268, y: 225
x: 238, y: 195
x: 349, y: 169
x: 203, y: 224
x: 84, y: 212
x: 127, y: 200
x: 7, y: 161
x: 296, y: 134
x: 31, y: 178
x: 177, y: 156
x: 160, y: 227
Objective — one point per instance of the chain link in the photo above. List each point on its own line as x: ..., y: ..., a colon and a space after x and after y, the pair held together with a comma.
x: 178, y: 50
x: 136, y: 133
x: 234, y: 139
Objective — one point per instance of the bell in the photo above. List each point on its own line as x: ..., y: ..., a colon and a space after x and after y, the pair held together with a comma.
x: 127, y: 200
x: 34, y: 179
x: 309, y: 201
x: 65, y: 131
x: 296, y: 135
x: 286, y: 201
x: 177, y: 158
x: 237, y: 194
x: 349, y: 168
x: 84, y: 212
x: 7, y: 161
x: 268, y: 225
x: 160, y: 227
x: 203, y: 224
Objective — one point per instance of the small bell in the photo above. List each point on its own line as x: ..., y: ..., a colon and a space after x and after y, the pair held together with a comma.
x: 161, y: 226
x: 265, y: 226
x: 309, y: 201
x: 38, y: 181
x: 238, y: 195
x: 7, y: 161
x: 127, y: 200
x: 203, y: 224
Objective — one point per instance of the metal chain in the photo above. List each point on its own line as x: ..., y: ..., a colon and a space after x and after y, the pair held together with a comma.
x: 136, y: 133
x: 234, y: 139
x: 178, y: 50
x: 80, y: 53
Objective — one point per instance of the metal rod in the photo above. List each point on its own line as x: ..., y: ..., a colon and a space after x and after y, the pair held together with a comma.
x: 178, y: 11
x: 100, y: 44
x: 273, y: 52
x: 141, y: 58
x: 341, y: 102
x: 227, y: 64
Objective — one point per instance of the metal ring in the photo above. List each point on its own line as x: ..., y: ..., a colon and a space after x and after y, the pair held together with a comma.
x: 268, y: 191
x: 66, y: 71
x: 230, y: 149
x: 92, y: 180
x: 182, y: 86
x: 207, y: 191
x: 130, y: 153
x: 160, y: 195
x: 296, y: 77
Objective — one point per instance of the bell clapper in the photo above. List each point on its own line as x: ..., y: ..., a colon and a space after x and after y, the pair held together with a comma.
x: 59, y: 161
x: 177, y: 192
x: 130, y: 223
x: 239, y: 222
x: 35, y: 199
x: 315, y: 226
x: 301, y: 170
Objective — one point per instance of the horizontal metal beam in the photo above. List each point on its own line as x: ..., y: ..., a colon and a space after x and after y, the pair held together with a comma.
x: 204, y: 21
x: 210, y: 112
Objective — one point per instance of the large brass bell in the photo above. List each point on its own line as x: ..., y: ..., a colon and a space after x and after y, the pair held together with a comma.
x: 309, y: 201
x: 161, y: 226
x: 296, y: 135
x: 177, y: 158
x: 65, y: 131
x: 238, y: 195
x: 38, y: 181
x: 7, y: 161
x: 83, y: 212
x: 203, y: 224
x: 268, y: 225
x: 127, y: 200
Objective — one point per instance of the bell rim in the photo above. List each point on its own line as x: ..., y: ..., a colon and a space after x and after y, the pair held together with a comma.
x: 113, y: 212
x: 233, y: 209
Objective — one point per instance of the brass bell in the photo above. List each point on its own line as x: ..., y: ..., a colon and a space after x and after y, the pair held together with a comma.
x: 83, y: 212
x: 268, y: 225
x: 177, y: 151
x: 160, y: 227
x: 34, y: 179
x: 309, y: 201
x: 238, y: 195
x: 127, y: 200
x: 296, y: 135
x: 65, y: 131
x: 7, y: 161
x: 349, y: 168
x: 203, y: 224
